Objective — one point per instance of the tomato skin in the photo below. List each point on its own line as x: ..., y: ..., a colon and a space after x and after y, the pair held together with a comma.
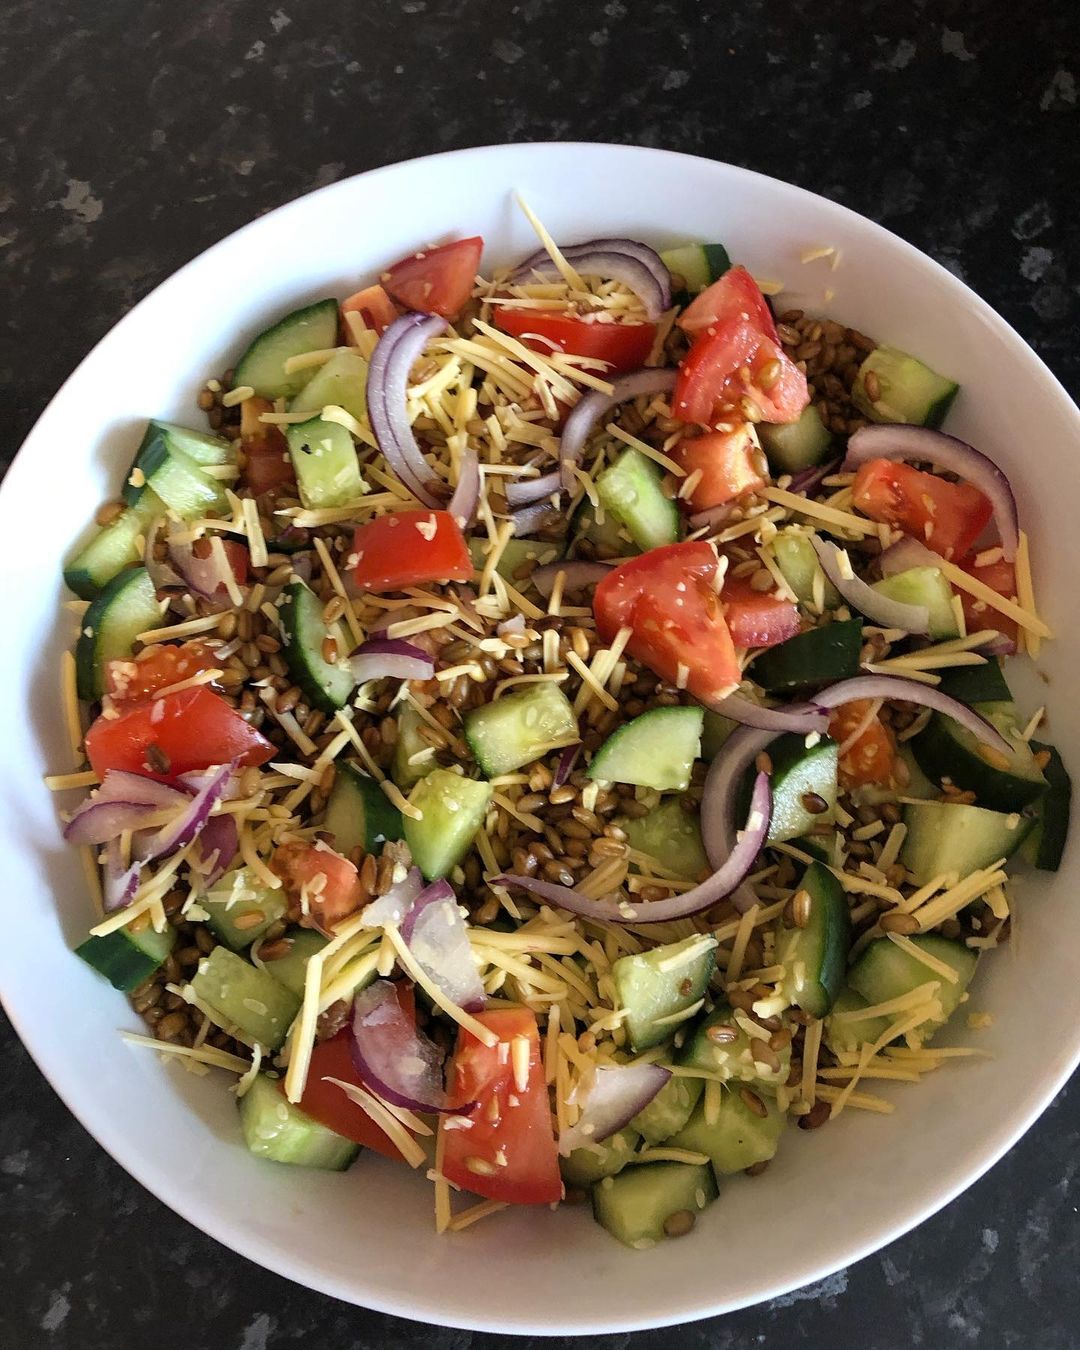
x: 757, y: 618
x: 193, y: 729
x: 735, y: 295
x: 341, y: 893
x: 409, y: 548
x: 436, y: 280
x: 871, y: 757
x: 517, y: 1128
x: 709, y: 380
x: 946, y: 517
x: 374, y: 306
x: 267, y: 463
x: 731, y: 463
x: 624, y: 346
x: 155, y: 668
x: 326, y: 1103
x: 1000, y: 576
x: 667, y: 597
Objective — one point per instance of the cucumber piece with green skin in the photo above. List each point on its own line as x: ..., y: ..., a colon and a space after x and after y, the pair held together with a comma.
x: 715, y: 731
x: 408, y: 768
x: 517, y: 554
x: 799, y: 566
x: 818, y: 656
x: 245, y: 997
x: 801, y: 775
x: 849, y: 1035
x: 241, y: 908
x: 609, y: 539
x: 125, y: 607
x: 630, y: 491
x: 358, y: 813
x: 924, y: 586
x: 126, y: 958
x: 656, y: 749
x: 791, y: 447
x: 520, y: 727
x: 977, y: 684
x: 908, y: 391
x: 311, y: 329
x: 731, y: 1057
x: 341, y: 383
x: 670, y: 835
x: 591, y: 1162
x: 699, y: 265
x: 669, y: 1110
x: 114, y: 547
x: 885, y: 971
x: 453, y: 808
x: 952, y: 837
x: 326, y: 684
x: 275, y: 1129
x: 815, y: 957
x: 945, y: 749
x: 200, y: 446
x: 739, y: 1138
x: 654, y: 987
x: 162, y: 467
x: 635, y: 1205
x: 327, y: 469
x: 290, y: 969
x: 1045, y: 844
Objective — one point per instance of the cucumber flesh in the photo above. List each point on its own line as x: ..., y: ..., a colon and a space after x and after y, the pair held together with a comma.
x: 413, y: 756
x: 276, y: 1129
x: 635, y: 1205
x: 655, y: 986
x: 730, y: 1059
x: 1046, y: 843
x: 953, y: 837
x: 127, y: 958
x: 327, y: 469
x: 802, y: 777
x: 453, y: 809
x: 358, y: 813
x: 924, y: 586
x: 290, y: 969
x: 125, y: 608
x: 884, y: 971
x: 609, y: 539
x: 520, y: 727
x: 739, y: 1138
x: 656, y: 750
x: 630, y: 491
x: 670, y: 835
x: 311, y: 329
x: 326, y: 684
x: 591, y: 1162
x: 945, y: 749
x: 715, y: 731
x: 818, y: 656
x: 241, y: 908
x: 342, y: 383
x: 849, y: 1035
x: 799, y: 566
x: 164, y: 467
x: 791, y: 447
x: 699, y: 265
x: 246, y: 997
x: 515, y: 559
x: 114, y: 547
x: 669, y: 1110
x: 199, y: 446
x: 815, y: 957
x: 908, y: 390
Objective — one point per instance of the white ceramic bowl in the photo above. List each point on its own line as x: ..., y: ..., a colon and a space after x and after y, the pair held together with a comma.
x: 367, y: 1237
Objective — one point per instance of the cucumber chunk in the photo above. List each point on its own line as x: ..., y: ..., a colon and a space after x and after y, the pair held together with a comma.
x: 241, y: 908
x: 924, y: 586
x: 342, y: 383
x: 884, y: 971
x: 325, y: 684
x: 629, y: 490
x: 815, y: 957
x: 199, y: 446
x: 957, y: 838
x: 608, y: 539
x: 977, y: 684
x: 730, y: 1058
x: 945, y: 749
x: 164, y: 466
x: 276, y: 1129
x: 591, y: 1162
x: 715, y: 731
x: 125, y: 608
x: 246, y: 997
x: 849, y: 1035
x: 739, y: 1138
x: 1046, y: 843
x: 908, y: 391
x: 670, y: 835
x: 818, y: 656
x: 699, y: 265
x: 311, y: 329
x: 520, y: 727
x: 515, y: 558
x: 324, y: 457
x: 359, y: 814
x: 453, y: 809
x: 127, y: 958
x: 791, y: 447
x: 654, y: 987
x: 669, y: 1110
x: 802, y: 777
x: 799, y: 566
x: 114, y: 547
x: 654, y: 750
x: 413, y: 756
x: 635, y: 1205
x: 290, y: 969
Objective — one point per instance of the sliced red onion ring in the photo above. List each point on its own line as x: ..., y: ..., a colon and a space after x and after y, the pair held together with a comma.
x: 579, y: 575
x: 614, y: 1098
x: 118, y: 885
x: 894, y: 441
x: 393, y: 1057
x: 880, y: 608
x: 892, y: 687
x: 390, y: 658
x: 565, y: 766
x: 389, y: 910
x: 180, y: 832
x: 514, y: 625
x: 806, y: 480
x: 387, y: 390
x: 466, y: 499
x: 218, y: 846
x: 96, y: 822
x: 435, y: 933
x: 594, y: 405
x: 626, y: 260
x: 723, y: 881
x: 522, y: 491
x: 905, y: 554
x: 796, y: 717
x: 531, y: 519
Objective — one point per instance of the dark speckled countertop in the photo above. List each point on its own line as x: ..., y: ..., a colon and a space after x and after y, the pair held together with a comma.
x: 133, y: 135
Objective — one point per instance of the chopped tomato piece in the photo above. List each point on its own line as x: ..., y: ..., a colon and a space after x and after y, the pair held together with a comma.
x: 732, y: 361
x: 508, y: 1150
x: 409, y: 548
x: 156, y: 668
x: 757, y: 618
x: 730, y: 464
x: 267, y: 463
x: 735, y: 295
x: 624, y: 346
x: 1000, y: 576
x: 667, y: 598
x: 181, y: 733
x: 374, y: 306
x: 327, y: 885
x: 867, y: 757
x: 947, y: 517
x: 436, y: 280
x: 326, y: 1103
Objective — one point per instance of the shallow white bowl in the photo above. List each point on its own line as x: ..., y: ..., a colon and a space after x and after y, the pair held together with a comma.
x: 367, y: 1236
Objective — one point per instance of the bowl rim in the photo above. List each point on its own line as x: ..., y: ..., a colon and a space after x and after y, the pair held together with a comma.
x: 309, y: 1273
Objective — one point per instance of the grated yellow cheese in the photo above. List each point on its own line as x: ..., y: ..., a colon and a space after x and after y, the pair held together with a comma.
x: 1025, y: 593
x: 1027, y: 619
x: 468, y: 1217
x: 811, y: 1050
x: 204, y: 1054
x: 62, y: 782
x: 419, y: 976
x: 70, y: 698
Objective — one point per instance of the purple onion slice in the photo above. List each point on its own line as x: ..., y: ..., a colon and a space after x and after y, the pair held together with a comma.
x: 614, y: 1098
x: 565, y: 766
x: 594, y: 405
x: 390, y: 909
x: 465, y: 502
x: 803, y: 717
x: 390, y: 658
x: 387, y: 391
x: 180, y: 832
x: 579, y: 575
x: 393, y: 1057
x: 806, y: 480
x: 436, y: 935
x: 627, y: 260
x: 219, y: 843
x: 522, y: 491
x: 880, y: 608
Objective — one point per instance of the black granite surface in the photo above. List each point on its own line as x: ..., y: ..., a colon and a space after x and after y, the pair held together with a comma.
x: 133, y: 135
